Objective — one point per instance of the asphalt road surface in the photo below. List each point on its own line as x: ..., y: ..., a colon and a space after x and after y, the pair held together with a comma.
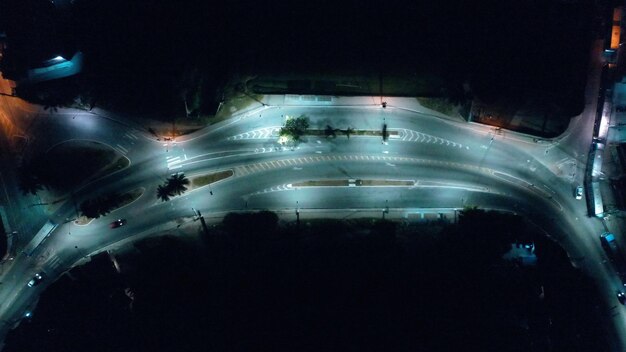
x: 453, y: 164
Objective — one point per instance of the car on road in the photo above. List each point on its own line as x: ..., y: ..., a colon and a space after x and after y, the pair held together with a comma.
x: 609, y: 243
x: 579, y: 192
x: 117, y: 223
x: 36, y: 280
x: 621, y: 297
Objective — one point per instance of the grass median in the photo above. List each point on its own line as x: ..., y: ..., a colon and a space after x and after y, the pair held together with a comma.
x: 207, y: 179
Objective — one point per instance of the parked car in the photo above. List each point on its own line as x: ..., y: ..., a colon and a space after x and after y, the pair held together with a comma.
x: 36, y: 280
x: 579, y: 192
x: 117, y: 223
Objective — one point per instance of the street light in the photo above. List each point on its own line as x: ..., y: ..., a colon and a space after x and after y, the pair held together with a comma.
x: 386, y: 209
x: 297, y: 213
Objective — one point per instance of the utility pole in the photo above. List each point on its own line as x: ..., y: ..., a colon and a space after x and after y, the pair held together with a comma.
x: 173, y: 128
x: 380, y: 87
x: 385, y: 133
x: 204, y: 228
x: 297, y: 214
x: 386, y: 209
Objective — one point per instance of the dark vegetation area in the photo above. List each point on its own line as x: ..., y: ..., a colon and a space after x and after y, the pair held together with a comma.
x: 4, y: 245
x: 152, y: 57
x: 50, y: 170
x: 175, y: 185
x: 102, y: 205
x: 253, y: 284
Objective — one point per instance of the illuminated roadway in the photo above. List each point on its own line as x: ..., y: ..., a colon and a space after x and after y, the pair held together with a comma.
x: 453, y: 163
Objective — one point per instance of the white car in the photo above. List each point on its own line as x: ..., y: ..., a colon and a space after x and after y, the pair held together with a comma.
x: 579, y: 192
x: 36, y: 280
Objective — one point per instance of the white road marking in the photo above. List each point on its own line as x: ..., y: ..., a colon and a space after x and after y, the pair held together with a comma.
x: 262, y: 133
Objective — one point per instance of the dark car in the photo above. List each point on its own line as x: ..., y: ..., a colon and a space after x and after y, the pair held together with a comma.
x: 117, y: 223
x: 36, y: 280
x: 621, y: 297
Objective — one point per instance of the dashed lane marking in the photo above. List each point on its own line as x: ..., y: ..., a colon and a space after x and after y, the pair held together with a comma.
x: 243, y: 170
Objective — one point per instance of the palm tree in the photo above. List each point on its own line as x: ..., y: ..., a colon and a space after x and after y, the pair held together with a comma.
x: 177, y: 184
x: 163, y: 193
x: 100, y: 206
x: 348, y: 131
x: 89, y: 208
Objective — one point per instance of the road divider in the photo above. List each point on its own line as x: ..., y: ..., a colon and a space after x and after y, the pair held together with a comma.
x: 198, y: 181
x: 354, y: 183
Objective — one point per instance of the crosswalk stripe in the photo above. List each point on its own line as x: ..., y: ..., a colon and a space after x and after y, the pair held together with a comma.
x: 55, y: 262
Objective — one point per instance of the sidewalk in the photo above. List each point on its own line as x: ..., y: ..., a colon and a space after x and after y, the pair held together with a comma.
x: 402, y: 103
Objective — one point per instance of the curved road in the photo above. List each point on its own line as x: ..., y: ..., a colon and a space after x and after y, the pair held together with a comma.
x: 453, y: 164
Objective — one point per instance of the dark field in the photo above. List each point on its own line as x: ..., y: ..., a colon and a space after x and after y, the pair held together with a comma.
x: 331, y: 286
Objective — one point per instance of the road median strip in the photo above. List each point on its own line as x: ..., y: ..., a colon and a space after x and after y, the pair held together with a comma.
x: 355, y: 183
x: 206, y: 179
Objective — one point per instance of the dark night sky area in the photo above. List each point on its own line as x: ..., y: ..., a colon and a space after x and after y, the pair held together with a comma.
x: 137, y: 51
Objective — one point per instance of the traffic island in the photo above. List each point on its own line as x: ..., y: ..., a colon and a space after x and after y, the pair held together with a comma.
x: 96, y: 160
x: 364, y: 133
x: 207, y: 179
x: 355, y: 183
x: 125, y: 199
x: 50, y: 170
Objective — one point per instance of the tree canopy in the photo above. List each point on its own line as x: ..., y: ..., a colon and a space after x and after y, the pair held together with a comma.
x: 175, y: 185
x: 294, y: 128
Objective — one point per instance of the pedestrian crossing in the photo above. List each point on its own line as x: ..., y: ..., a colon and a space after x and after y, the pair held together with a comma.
x: 54, y: 262
x: 174, y: 162
x: 129, y: 139
x: 131, y: 135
